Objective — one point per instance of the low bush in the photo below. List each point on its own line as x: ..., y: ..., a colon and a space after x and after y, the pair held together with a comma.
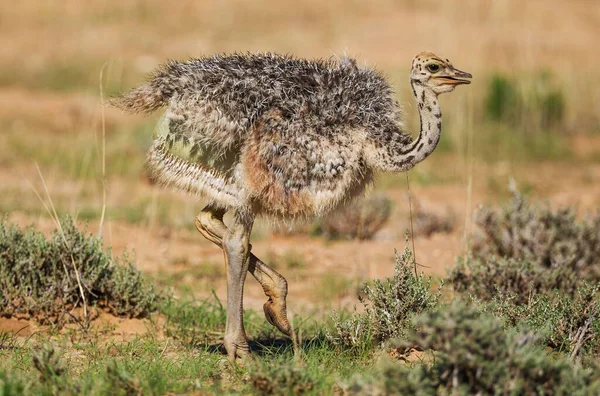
x: 475, y: 355
x: 517, y: 278
x: 44, y: 278
x: 568, y: 324
x: 526, y: 249
x: 537, y: 268
x: 427, y: 223
x: 360, y: 219
x: 548, y: 239
x: 389, y: 306
x: 502, y: 102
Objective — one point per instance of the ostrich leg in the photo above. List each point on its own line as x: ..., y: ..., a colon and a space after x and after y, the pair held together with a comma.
x: 210, y: 224
x: 236, y: 246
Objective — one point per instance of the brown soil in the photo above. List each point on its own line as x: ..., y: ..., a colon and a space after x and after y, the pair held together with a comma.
x: 118, y: 329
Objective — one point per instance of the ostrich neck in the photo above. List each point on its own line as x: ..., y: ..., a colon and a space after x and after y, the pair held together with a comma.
x: 430, y: 117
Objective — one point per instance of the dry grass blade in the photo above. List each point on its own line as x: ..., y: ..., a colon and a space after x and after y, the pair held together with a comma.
x: 103, y: 156
x: 412, y: 228
x: 470, y: 158
x: 580, y: 336
x: 54, y: 216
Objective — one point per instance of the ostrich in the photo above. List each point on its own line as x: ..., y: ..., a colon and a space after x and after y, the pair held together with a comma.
x: 286, y: 138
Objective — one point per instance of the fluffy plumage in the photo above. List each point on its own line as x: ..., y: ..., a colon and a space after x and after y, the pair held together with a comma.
x: 289, y: 135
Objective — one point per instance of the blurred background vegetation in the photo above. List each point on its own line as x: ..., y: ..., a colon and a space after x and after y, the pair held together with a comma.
x: 534, y: 95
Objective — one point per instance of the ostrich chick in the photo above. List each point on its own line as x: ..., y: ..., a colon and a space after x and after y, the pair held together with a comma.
x: 287, y: 138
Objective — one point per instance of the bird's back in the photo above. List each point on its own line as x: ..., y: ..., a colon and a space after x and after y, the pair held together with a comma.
x: 219, y: 98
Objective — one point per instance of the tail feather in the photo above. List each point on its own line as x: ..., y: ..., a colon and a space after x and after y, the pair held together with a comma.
x: 151, y: 96
x: 143, y: 99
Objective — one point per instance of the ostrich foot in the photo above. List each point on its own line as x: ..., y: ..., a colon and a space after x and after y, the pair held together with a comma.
x: 275, y: 287
x: 237, y: 347
x: 276, y: 315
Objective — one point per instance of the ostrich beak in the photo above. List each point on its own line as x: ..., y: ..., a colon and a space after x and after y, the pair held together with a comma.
x: 456, y: 77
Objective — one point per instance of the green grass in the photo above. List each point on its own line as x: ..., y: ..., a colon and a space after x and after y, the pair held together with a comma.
x: 78, y: 155
x: 136, y: 366
x: 501, y: 142
x: 179, y: 354
x: 331, y: 287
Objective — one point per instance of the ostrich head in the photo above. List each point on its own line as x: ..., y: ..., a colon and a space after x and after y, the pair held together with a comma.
x: 435, y: 73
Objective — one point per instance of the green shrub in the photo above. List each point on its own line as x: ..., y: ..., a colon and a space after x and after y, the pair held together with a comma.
x: 475, y: 355
x: 9, y: 385
x: 517, y: 278
x: 561, y: 306
x: 552, y: 108
x: 43, y: 278
x: 120, y: 382
x: 568, y: 324
x: 550, y: 240
x: 537, y: 268
x: 392, y: 378
x: 530, y: 105
x: 502, y: 102
x: 389, y: 305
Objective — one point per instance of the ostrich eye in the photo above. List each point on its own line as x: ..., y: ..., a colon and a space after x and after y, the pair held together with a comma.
x: 433, y: 67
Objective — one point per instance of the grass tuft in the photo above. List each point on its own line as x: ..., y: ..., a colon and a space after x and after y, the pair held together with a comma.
x: 536, y: 106
x: 287, y: 378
